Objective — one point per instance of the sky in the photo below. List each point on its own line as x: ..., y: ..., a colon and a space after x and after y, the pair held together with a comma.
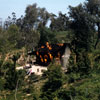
x: 19, y: 6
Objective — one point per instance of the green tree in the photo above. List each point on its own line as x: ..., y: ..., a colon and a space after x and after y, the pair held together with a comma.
x: 60, y: 23
x: 11, y: 74
x: 54, y: 82
x: 15, y: 58
x: 93, y: 8
x: 46, y: 35
x: 2, y: 79
x: 31, y: 39
x: 35, y: 17
x: 20, y: 81
x: 83, y: 41
x: 11, y: 20
x: 13, y: 35
x: 2, y: 83
x: 83, y: 29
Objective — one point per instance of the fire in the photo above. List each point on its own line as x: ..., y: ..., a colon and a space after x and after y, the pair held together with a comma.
x: 48, y: 46
x: 51, y: 57
x: 45, y: 56
x: 45, y: 60
x: 37, y: 53
x: 41, y: 58
x: 60, y: 44
x: 46, y: 53
x: 42, y: 46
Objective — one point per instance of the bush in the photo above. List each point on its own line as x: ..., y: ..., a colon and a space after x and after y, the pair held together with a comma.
x: 2, y: 83
x: 11, y: 76
x: 54, y: 82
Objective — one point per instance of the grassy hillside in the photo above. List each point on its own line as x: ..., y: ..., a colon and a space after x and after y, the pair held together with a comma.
x: 86, y: 88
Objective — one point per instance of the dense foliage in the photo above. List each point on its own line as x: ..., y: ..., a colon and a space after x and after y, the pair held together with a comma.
x: 80, y: 27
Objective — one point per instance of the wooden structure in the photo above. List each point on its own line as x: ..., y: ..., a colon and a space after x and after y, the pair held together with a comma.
x: 46, y: 53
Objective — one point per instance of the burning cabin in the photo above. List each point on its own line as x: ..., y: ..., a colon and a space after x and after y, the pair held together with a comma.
x: 45, y: 54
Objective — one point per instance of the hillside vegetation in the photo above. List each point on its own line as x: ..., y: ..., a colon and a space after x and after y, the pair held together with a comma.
x: 80, y: 28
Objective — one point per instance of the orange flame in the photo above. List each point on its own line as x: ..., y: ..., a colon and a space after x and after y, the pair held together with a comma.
x: 37, y: 53
x: 60, y: 44
x: 45, y: 56
x: 42, y: 46
x: 48, y: 46
x: 41, y: 58
x: 45, y: 60
x: 50, y: 55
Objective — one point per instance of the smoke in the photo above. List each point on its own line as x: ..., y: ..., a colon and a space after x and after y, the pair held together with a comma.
x: 65, y: 57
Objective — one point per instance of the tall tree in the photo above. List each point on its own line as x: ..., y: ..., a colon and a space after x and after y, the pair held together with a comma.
x: 83, y: 28
x: 31, y: 16
x: 60, y: 23
x: 14, y: 36
x: 83, y: 42
x: 35, y: 19
x: 93, y: 8
x: 35, y: 16
x: 31, y: 39
x: 46, y: 35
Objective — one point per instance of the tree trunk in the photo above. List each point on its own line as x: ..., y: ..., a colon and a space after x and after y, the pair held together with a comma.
x: 16, y: 89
